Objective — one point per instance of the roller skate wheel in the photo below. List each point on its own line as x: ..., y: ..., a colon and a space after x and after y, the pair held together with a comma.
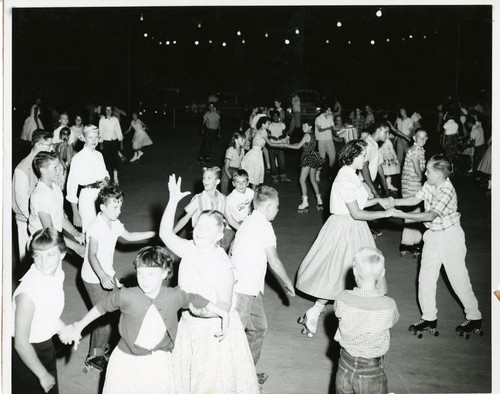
x: 435, y: 333
x: 419, y: 335
x: 403, y: 254
x: 460, y: 334
x: 467, y: 336
x: 305, y: 331
x: 480, y: 333
x: 301, y: 320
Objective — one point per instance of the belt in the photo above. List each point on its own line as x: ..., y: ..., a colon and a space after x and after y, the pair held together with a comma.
x: 95, y: 185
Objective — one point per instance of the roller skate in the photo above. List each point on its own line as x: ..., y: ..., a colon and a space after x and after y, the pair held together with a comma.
x: 319, y: 202
x: 469, y: 326
x: 96, y: 362
x: 422, y: 325
x: 417, y: 251
x: 310, y: 319
x: 304, y: 206
x: 276, y: 180
x: 404, y: 249
x: 284, y: 179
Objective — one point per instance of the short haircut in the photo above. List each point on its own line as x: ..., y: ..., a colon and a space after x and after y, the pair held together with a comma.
x: 89, y: 128
x: 262, y: 121
x: 420, y: 130
x: 42, y: 160
x: 47, y: 238
x: 216, y: 170
x: 240, y: 173
x: 234, y: 137
x: 110, y: 193
x: 369, y: 263
x: 217, y: 216
x: 41, y: 134
x: 441, y: 163
x: 264, y: 194
x: 65, y: 130
x: 378, y: 125
x: 155, y: 257
x: 350, y: 151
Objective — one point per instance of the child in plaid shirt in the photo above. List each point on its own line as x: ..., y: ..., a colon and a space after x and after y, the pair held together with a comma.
x: 365, y: 317
x: 444, y: 243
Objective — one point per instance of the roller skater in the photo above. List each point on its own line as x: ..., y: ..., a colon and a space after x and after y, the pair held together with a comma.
x: 404, y: 250
x: 319, y: 202
x: 469, y: 326
x: 304, y: 206
x: 310, y: 319
x: 422, y: 325
x: 444, y: 245
x: 96, y: 362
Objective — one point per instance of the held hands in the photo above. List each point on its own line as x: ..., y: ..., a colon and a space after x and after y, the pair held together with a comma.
x: 387, y: 203
x: 107, y: 282
x: 197, y: 311
x: 79, y: 237
x: 77, y: 219
x: 79, y: 249
x: 290, y: 290
x: 174, y: 188
x: 70, y: 334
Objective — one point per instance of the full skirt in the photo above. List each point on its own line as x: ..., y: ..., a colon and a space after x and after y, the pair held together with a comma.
x: 130, y: 374
x: 390, y: 161
x: 324, y: 270
x: 253, y: 163
x: 140, y: 139
x: 485, y: 163
x: 29, y: 127
x: 203, y: 364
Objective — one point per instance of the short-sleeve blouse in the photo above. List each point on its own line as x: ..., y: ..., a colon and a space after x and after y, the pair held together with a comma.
x: 347, y: 187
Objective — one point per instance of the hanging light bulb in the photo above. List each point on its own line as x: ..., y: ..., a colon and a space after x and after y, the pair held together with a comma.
x: 297, y: 31
x: 209, y: 41
x: 161, y: 43
x: 372, y: 42
x: 145, y: 34
x: 238, y: 33
x: 411, y: 36
x: 174, y: 42
x: 224, y: 44
x: 349, y: 42
x: 266, y: 35
x: 196, y: 43
x: 287, y: 41
x: 243, y: 41
x: 339, y: 24
x: 327, y: 41
x: 167, y: 42
x: 388, y: 40
x: 379, y: 13
x: 199, y: 25
x: 141, y: 17
x: 425, y: 37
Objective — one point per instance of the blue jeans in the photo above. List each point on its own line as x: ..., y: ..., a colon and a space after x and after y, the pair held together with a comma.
x: 253, y: 317
x: 358, y: 375
x: 99, y: 338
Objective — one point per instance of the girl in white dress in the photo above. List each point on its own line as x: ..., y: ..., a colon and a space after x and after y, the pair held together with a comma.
x: 202, y: 363
x: 140, y: 138
x: 323, y: 271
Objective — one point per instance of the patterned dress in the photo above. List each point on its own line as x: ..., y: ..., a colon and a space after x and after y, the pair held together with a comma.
x: 410, y: 181
x: 310, y: 156
x: 253, y: 162
x: 390, y: 161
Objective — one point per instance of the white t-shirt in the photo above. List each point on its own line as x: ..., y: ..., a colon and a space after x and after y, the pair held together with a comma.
x: 106, y: 237
x: 450, y: 127
x: 323, y: 122
x: 249, y: 259
x: 238, y: 204
x: 477, y: 134
x: 373, y: 156
x: 48, y: 200
x: 276, y: 129
x: 47, y: 294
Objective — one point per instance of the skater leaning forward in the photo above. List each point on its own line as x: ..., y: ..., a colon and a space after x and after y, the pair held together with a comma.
x: 444, y: 244
x: 323, y: 271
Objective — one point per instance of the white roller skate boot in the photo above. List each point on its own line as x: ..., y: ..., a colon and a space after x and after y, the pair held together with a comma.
x: 304, y: 206
x: 310, y: 319
x: 319, y: 202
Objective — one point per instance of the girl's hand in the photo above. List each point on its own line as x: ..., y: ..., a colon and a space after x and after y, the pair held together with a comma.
x: 390, y: 213
x: 70, y: 334
x: 79, y: 237
x: 384, y: 203
x: 77, y: 219
x: 174, y: 188
x: 79, y: 249
x: 107, y: 282
x: 197, y: 311
x: 47, y: 381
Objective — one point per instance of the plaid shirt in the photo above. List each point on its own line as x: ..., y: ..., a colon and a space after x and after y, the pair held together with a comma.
x: 365, y: 318
x: 443, y: 201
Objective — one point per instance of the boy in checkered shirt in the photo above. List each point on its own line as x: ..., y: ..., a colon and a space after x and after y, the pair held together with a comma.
x: 365, y: 317
x: 444, y: 244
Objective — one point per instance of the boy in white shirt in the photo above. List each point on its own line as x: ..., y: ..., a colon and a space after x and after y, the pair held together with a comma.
x: 238, y: 206
x: 98, y: 273
x: 254, y: 247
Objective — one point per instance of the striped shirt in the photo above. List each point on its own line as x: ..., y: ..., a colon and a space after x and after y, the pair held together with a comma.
x: 365, y: 318
x: 442, y: 200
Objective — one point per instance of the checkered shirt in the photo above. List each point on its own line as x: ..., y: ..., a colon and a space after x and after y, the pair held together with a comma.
x: 365, y: 318
x: 442, y: 200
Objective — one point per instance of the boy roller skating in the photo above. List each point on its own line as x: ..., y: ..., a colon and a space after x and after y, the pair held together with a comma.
x: 444, y: 244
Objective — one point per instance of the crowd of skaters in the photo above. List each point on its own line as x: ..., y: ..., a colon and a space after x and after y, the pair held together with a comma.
x: 237, y: 223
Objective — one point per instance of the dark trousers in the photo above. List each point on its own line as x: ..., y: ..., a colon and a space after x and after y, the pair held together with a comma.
x: 24, y: 381
x: 277, y: 154
x: 206, y: 143
x: 110, y: 153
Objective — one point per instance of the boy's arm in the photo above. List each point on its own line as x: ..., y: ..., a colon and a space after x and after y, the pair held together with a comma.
x: 72, y: 333
x: 299, y: 145
x: 381, y: 174
x: 182, y: 222
x: 25, y: 310
x: 45, y: 219
x: 418, y: 217
x: 416, y: 166
x: 107, y: 282
x: 167, y: 234
x: 137, y: 235
x: 230, y: 219
x: 365, y: 172
x: 279, y: 270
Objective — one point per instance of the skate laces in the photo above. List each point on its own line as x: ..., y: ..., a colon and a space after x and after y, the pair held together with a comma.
x: 465, y: 323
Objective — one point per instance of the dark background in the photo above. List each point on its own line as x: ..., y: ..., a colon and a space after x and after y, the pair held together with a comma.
x: 71, y: 56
